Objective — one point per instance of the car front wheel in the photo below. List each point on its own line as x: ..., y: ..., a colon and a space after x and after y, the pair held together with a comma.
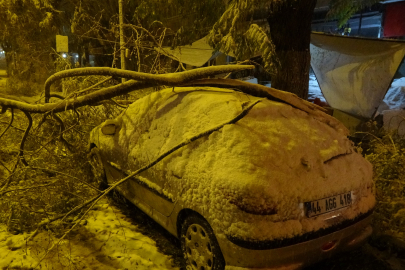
x: 200, y: 246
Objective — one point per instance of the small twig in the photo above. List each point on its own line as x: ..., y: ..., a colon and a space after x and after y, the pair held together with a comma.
x: 68, y: 175
x: 76, y: 93
x: 17, y: 128
x: 21, y: 154
x: 393, y: 144
x: 8, y: 180
x: 2, y: 164
x: 392, y: 181
x: 93, y: 86
x: 119, y: 105
x: 9, y: 125
x: 25, y: 188
x: 368, y: 133
x: 229, y: 74
x: 43, y: 119
x: 62, y: 130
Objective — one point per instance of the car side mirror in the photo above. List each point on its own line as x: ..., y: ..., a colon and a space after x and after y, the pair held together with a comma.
x: 110, y: 127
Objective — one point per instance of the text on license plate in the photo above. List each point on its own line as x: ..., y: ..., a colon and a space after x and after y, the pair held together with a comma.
x: 329, y: 204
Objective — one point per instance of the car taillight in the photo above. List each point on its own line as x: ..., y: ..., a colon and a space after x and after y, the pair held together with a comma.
x: 328, y: 245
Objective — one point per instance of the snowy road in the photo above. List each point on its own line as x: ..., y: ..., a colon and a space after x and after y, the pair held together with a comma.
x: 122, y: 237
x: 365, y: 258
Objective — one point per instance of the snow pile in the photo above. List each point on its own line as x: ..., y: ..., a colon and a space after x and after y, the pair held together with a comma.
x: 393, y: 107
x: 275, y: 158
x: 107, y: 241
x: 395, y: 97
x: 394, y: 120
x: 314, y: 91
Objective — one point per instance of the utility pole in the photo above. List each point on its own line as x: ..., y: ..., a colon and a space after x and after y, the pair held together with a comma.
x: 122, y: 41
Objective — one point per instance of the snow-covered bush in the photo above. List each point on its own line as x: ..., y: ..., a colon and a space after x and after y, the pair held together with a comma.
x: 58, y: 176
x: 387, y: 154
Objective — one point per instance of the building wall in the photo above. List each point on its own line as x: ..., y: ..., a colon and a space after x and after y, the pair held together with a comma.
x: 394, y: 20
x: 365, y: 25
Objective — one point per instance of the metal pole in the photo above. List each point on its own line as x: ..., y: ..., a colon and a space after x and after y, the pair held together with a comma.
x: 122, y: 41
x: 361, y: 18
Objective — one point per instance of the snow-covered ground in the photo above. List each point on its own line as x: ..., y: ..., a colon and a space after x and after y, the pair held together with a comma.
x: 108, y: 240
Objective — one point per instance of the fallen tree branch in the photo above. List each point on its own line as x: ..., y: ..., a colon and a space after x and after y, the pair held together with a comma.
x: 149, y: 80
x: 74, y: 103
x: 171, y: 79
x: 97, y: 198
x: 24, y: 138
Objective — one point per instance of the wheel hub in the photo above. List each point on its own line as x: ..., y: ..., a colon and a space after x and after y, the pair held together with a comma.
x: 198, y: 248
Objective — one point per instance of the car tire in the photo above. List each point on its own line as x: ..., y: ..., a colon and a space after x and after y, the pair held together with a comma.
x: 97, y: 168
x: 199, y: 245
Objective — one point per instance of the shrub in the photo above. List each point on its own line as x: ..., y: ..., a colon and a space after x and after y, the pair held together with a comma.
x: 387, y: 154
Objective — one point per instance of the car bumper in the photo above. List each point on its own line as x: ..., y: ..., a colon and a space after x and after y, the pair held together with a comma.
x: 298, y: 255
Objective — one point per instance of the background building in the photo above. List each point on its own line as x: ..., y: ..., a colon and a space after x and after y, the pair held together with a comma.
x: 383, y: 20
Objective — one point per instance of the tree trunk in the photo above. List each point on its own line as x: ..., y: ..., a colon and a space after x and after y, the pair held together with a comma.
x: 290, y: 31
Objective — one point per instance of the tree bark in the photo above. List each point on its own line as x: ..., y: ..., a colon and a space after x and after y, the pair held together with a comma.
x: 290, y: 31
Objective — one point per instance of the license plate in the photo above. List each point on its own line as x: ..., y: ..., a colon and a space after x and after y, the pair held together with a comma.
x: 322, y: 206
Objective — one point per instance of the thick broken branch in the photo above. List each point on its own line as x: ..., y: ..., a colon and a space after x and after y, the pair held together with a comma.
x: 171, y: 79
x: 113, y: 91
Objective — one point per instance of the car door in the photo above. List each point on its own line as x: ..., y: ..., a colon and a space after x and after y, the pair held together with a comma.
x: 144, y: 190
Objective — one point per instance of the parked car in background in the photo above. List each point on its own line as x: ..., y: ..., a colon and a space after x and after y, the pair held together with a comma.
x: 277, y: 188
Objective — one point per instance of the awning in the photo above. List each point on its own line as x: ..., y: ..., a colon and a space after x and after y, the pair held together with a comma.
x: 355, y: 73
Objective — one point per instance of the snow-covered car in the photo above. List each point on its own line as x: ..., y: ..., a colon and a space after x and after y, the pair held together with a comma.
x: 282, y: 186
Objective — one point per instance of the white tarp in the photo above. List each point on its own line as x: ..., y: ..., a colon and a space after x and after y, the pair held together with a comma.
x: 355, y: 73
x: 196, y: 54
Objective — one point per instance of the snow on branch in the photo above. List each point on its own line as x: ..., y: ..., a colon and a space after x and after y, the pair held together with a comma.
x: 171, y: 79
x: 276, y: 95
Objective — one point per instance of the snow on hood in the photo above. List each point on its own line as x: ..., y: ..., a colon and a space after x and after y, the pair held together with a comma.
x: 273, y: 159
